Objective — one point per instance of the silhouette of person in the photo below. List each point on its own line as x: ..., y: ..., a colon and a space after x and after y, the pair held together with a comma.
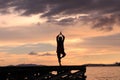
x: 60, y: 47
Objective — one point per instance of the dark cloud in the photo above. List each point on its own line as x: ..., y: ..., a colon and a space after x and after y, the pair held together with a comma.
x: 5, y: 4
x: 33, y: 53
x: 44, y: 54
x: 103, y: 22
x: 47, y: 54
x: 102, y: 14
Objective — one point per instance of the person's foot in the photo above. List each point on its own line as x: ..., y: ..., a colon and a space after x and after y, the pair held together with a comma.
x: 63, y: 55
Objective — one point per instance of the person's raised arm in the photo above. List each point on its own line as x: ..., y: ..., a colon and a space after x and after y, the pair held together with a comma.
x: 63, y: 37
x: 57, y: 38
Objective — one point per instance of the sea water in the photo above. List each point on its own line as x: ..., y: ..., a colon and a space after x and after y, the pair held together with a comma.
x: 103, y: 73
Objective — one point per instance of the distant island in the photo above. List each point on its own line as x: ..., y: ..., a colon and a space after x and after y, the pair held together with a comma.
x: 95, y: 65
x: 24, y: 65
x: 88, y: 65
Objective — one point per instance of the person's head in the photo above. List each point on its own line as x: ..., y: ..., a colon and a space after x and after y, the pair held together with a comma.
x: 60, y: 38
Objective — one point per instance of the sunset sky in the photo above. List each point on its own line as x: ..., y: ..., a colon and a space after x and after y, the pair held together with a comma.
x: 28, y: 30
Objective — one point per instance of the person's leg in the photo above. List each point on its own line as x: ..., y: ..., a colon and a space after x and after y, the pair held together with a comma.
x: 60, y: 63
x: 63, y: 54
x: 59, y: 58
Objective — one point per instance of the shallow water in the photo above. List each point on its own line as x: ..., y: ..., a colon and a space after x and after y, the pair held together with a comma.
x: 103, y: 73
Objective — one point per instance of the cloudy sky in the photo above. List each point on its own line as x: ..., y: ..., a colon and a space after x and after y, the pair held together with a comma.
x: 28, y: 30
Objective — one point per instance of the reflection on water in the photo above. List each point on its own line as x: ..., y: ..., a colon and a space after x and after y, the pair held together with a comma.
x: 103, y: 73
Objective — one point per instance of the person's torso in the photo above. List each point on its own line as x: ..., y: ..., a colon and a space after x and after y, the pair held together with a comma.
x: 60, y: 45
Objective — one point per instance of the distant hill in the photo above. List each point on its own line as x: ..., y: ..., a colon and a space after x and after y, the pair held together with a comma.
x: 116, y: 64
x: 91, y: 65
x: 24, y: 65
x: 27, y: 65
